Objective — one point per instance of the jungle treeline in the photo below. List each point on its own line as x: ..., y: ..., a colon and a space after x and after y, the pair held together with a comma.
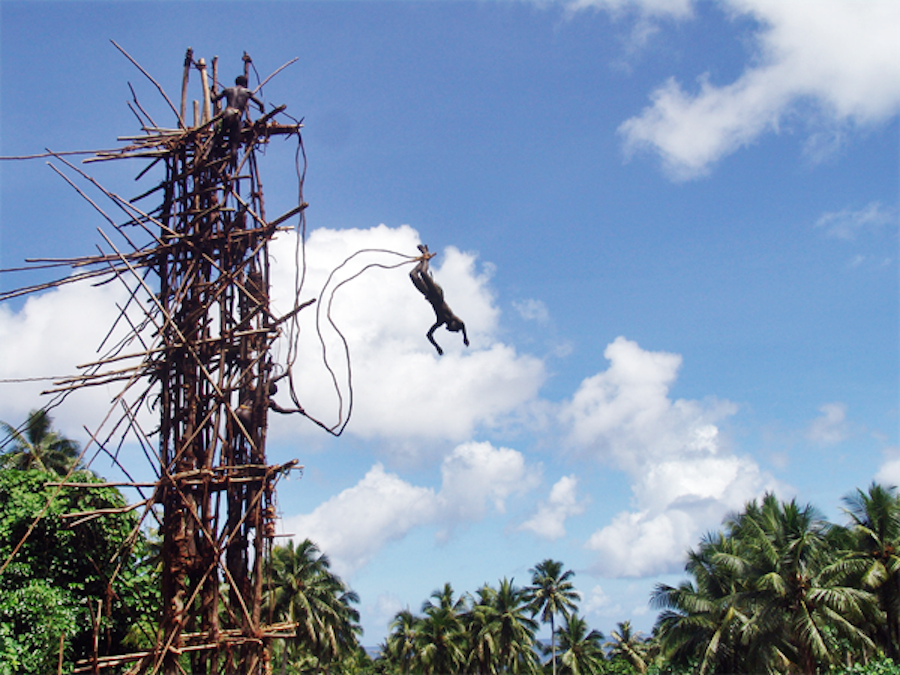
x: 777, y: 589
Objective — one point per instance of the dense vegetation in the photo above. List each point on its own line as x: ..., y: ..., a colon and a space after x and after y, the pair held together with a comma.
x: 777, y: 590
x: 65, y: 574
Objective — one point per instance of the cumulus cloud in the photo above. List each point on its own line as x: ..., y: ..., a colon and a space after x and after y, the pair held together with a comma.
x: 625, y: 414
x: 476, y: 474
x: 694, y: 495
x: 549, y: 521
x: 849, y: 223
x: 841, y: 56
x: 684, y: 478
x: 49, y: 336
x: 889, y: 471
x: 596, y: 600
x: 682, y: 473
x: 401, y: 387
x: 357, y: 523
x: 831, y: 426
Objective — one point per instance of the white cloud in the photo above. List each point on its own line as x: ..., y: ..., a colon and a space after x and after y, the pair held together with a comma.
x: 647, y: 15
x: 889, y: 471
x: 684, y: 479
x: 842, y: 56
x: 385, y: 608
x: 625, y: 414
x: 597, y: 599
x: 598, y: 602
x: 848, y: 224
x: 549, y: 521
x: 477, y: 473
x: 681, y: 499
x: 831, y: 426
x: 532, y: 310
x: 51, y: 335
x: 354, y: 525
x: 402, y: 388
x: 683, y: 476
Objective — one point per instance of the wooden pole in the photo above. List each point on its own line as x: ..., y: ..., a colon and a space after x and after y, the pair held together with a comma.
x: 188, y: 59
x: 215, y: 85
x: 204, y: 79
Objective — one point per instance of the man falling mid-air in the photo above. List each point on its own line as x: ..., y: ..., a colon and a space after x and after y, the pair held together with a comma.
x: 422, y: 280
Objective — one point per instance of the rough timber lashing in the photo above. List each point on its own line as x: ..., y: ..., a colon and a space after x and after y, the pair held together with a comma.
x: 215, y: 374
x: 213, y: 330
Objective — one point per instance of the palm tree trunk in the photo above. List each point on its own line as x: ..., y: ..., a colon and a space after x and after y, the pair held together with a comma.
x: 808, y: 662
x: 893, y: 621
x: 552, y: 644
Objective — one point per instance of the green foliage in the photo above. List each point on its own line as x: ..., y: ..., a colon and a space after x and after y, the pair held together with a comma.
x: 873, y: 556
x: 37, y: 446
x: 618, y: 665
x: 551, y: 592
x: 629, y: 646
x: 302, y: 589
x: 883, y: 666
x: 663, y: 667
x: 33, y: 617
x: 581, y: 649
x: 500, y: 635
x: 783, y: 590
x: 60, y: 573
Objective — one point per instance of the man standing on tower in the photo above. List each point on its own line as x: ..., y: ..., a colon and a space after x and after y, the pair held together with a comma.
x: 237, y: 98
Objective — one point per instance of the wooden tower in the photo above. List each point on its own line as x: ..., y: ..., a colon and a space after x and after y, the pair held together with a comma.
x: 198, y: 353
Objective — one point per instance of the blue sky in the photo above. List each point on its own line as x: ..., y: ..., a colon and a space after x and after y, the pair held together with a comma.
x: 670, y: 226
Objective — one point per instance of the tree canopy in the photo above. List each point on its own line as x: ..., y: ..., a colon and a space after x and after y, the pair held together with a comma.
x: 778, y: 589
x: 61, y: 576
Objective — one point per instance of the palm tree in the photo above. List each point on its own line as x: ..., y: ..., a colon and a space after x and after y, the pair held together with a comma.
x: 551, y: 593
x: 303, y: 590
x: 501, y: 636
x: 701, y: 621
x: 443, y: 598
x: 875, y: 555
x: 795, y: 601
x: 629, y: 646
x: 400, y: 646
x: 581, y: 651
x: 482, y: 639
x: 39, y: 447
x: 768, y: 596
x: 441, y: 638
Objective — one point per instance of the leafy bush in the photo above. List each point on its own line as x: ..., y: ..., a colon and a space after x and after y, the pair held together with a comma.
x: 60, y: 573
x: 882, y: 666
